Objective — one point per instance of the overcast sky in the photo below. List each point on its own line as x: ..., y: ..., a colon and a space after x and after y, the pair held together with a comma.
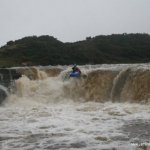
x: 72, y: 20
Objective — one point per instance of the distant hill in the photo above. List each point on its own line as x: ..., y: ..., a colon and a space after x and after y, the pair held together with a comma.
x: 47, y: 50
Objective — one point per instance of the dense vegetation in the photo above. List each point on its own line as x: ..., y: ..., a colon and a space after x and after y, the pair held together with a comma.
x: 47, y: 50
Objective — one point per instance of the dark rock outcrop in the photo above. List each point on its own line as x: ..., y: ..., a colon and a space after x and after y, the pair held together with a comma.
x: 7, y: 77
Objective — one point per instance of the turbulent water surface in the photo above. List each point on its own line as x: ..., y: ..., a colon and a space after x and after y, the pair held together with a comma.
x: 107, y: 108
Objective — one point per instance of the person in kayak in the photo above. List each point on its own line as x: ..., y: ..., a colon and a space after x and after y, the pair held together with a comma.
x: 76, y: 72
x: 76, y: 69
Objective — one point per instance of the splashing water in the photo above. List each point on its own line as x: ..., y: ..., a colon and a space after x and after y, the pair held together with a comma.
x: 49, y: 113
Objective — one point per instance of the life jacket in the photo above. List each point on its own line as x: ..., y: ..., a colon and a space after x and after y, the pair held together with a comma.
x: 76, y: 69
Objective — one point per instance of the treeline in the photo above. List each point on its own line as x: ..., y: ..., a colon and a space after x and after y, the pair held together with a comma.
x: 47, y: 50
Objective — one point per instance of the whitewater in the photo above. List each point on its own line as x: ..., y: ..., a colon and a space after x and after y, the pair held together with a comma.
x: 108, y: 108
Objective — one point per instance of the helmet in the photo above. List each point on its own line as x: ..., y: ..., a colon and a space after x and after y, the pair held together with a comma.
x: 74, y: 65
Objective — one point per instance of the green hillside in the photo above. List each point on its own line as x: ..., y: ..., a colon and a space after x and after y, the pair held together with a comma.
x: 47, y: 50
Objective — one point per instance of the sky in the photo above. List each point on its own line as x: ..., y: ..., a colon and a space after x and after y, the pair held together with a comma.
x: 72, y: 20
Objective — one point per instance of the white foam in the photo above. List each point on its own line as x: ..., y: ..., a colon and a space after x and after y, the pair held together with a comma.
x: 95, y: 124
x: 40, y: 116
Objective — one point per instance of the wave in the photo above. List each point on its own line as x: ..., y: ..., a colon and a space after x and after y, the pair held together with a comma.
x: 119, y: 83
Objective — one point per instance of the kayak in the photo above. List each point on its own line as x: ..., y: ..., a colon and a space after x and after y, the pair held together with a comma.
x: 74, y: 74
